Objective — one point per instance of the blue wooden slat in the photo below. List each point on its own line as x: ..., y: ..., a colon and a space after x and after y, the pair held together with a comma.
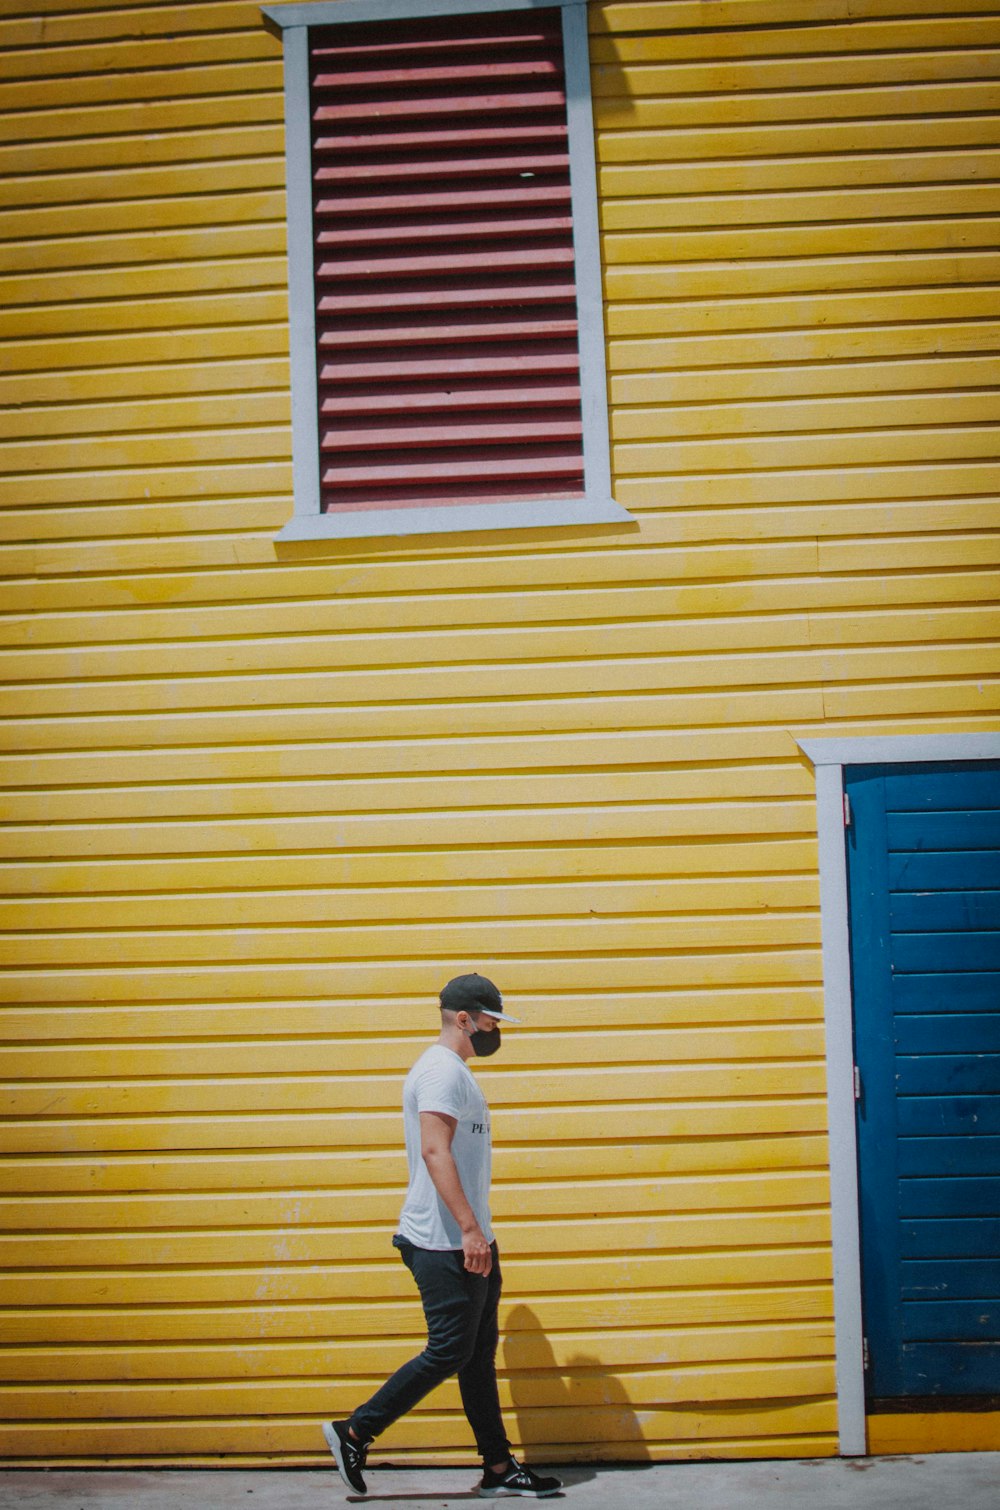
x: 925, y: 1116
x: 914, y: 788
x: 955, y: 1237
x: 943, y: 872
x: 943, y: 1369
x: 951, y: 1279
x: 944, y: 911
x: 947, y: 831
x: 960, y: 993
x: 970, y: 1033
x: 948, y: 1156
x: 948, y: 1074
x: 940, y: 1320
x: 949, y: 1197
x: 942, y: 953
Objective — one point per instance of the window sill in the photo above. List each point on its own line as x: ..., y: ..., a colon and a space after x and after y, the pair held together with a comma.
x: 545, y: 513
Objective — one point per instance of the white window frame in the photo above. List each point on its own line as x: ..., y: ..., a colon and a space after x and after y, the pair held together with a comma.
x: 829, y: 757
x: 596, y: 506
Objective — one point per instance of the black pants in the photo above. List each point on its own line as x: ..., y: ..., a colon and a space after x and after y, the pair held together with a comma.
x: 462, y: 1336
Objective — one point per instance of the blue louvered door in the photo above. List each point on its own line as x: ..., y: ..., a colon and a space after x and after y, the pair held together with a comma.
x: 924, y: 880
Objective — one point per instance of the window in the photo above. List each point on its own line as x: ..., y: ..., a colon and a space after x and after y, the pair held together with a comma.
x: 445, y: 291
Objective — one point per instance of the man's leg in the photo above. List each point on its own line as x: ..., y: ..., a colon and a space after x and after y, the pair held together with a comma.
x: 453, y: 1302
x: 478, y: 1379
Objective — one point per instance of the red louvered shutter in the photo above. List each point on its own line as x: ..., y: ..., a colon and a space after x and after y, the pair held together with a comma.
x: 446, y: 303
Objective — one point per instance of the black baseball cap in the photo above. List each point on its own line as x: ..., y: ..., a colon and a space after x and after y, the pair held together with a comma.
x: 474, y: 993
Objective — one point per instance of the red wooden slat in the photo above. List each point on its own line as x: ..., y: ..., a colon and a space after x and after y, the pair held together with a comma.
x: 531, y: 224
x: 373, y: 367
x: 447, y: 325
x: 438, y: 330
x: 453, y: 295
x: 490, y: 70
x: 443, y: 167
x: 449, y: 495
x: 530, y: 192
x: 423, y: 264
x: 447, y: 430
x: 510, y: 465
x: 392, y: 108
x: 398, y: 398
x: 438, y: 41
x: 470, y: 138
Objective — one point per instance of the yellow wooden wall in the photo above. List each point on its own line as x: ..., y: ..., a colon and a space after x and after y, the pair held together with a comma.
x: 257, y: 809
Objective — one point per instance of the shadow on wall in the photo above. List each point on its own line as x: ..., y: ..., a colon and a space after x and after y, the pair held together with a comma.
x: 569, y: 1405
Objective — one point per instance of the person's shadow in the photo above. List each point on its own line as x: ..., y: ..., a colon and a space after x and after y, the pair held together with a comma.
x: 560, y: 1406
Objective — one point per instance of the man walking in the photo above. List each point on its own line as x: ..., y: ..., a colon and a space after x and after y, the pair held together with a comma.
x: 446, y: 1241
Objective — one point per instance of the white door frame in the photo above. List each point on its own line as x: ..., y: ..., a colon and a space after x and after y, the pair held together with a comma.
x: 829, y: 757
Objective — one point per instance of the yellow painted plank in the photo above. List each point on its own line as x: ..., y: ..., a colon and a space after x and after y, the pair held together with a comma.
x: 810, y: 273
x: 145, y: 216
x: 438, y: 830
x: 806, y: 139
x: 808, y: 216
x: 764, y: 249
x: 543, y: 1275
x: 352, y: 1170
x: 192, y: 1095
x: 381, y: 1128
x: 133, y: 1328
x: 696, y: 183
x: 169, y: 802
x: 663, y: 858
x: 817, y: 415
x: 219, y: 72
x: 300, y: 1244
x: 414, y: 939
x: 424, y: 1432
x: 264, y: 907
x: 185, y: 114
x: 667, y: 15
x: 58, y: 26
x: 610, y: 1349
x: 746, y: 349
x: 161, y: 280
x: 64, y: 390
x: 824, y: 449
x: 104, y: 350
x: 840, y: 308
x: 265, y: 238
x: 944, y: 1431
x: 901, y: 374
x: 245, y: 306
x: 129, y: 53
x: 657, y: 96
x: 221, y: 1210
x: 334, y: 1397
x: 976, y: 695
x: 771, y: 37
x: 93, y: 154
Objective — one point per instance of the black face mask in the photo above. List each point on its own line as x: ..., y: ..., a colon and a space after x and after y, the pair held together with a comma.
x: 484, y: 1043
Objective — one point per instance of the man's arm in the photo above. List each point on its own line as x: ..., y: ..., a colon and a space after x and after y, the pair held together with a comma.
x: 437, y: 1130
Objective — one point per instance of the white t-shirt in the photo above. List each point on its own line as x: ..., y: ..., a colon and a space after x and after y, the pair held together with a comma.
x: 440, y: 1081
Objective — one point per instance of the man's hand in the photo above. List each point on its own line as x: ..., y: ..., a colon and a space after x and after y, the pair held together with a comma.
x: 478, y: 1254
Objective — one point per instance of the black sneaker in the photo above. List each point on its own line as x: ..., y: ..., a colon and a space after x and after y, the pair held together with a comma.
x: 516, y: 1479
x: 350, y: 1454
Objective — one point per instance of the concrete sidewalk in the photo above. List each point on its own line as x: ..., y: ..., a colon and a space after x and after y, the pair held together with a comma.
x: 968, y: 1480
